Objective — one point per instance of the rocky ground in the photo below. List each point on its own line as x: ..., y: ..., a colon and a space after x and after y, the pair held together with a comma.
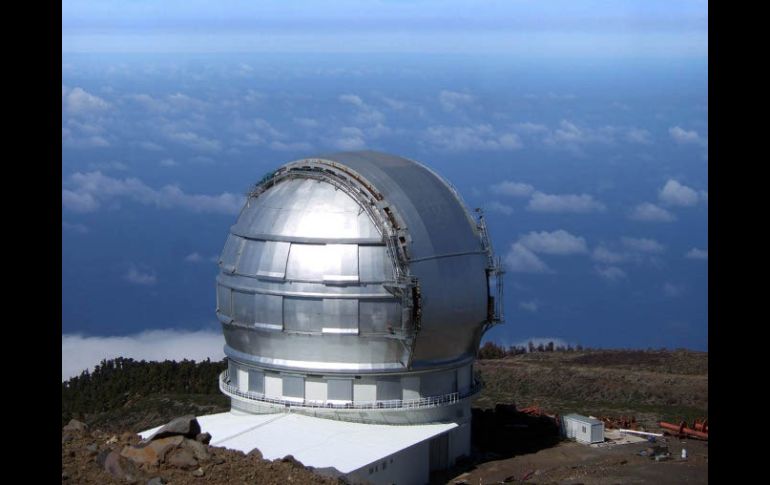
x: 508, y: 447
x: 570, y: 463
x: 651, y: 385
x: 178, y: 456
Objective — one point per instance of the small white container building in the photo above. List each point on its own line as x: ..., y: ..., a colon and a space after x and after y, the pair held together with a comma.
x: 583, y: 429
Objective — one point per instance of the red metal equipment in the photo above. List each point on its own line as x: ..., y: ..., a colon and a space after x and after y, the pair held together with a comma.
x: 682, y: 430
x: 621, y: 422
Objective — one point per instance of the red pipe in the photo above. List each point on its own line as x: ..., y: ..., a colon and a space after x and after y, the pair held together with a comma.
x: 682, y: 429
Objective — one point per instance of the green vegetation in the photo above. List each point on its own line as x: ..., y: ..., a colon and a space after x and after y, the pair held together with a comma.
x: 127, y: 386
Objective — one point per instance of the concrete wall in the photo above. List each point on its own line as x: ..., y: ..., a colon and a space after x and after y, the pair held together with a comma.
x: 273, y: 386
x: 315, y: 389
x: 406, y: 467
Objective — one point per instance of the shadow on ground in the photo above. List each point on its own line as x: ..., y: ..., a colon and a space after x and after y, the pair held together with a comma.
x: 502, y: 433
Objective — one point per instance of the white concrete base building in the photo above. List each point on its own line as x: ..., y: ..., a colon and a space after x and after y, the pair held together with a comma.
x: 375, y: 453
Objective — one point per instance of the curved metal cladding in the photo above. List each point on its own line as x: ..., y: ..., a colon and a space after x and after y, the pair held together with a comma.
x: 354, y: 263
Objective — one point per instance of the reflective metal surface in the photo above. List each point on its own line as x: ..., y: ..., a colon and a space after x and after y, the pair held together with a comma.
x: 356, y: 262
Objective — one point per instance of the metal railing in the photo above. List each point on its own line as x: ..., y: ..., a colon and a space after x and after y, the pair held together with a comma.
x: 426, y: 402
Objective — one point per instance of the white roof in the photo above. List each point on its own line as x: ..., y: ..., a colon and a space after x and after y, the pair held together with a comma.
x: 583, y: 419
x: 316, y: 442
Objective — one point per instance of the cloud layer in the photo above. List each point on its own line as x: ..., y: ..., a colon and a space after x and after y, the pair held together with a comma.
x: 81, y: 352
x: 87, y: 192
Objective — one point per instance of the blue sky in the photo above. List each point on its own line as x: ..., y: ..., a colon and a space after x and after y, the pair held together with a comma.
x: 580, y: 127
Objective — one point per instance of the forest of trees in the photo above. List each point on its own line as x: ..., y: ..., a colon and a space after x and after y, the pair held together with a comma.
x: 491, y: 350
x: 113, y: 382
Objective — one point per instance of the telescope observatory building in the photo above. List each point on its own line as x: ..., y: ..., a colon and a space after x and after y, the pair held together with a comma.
x: 354, y: 289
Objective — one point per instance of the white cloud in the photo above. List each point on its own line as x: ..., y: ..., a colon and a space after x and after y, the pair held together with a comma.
x: 89, y: 189
x: 451, y: 100
x: 573, y: 137
x: 83, y: 134
x: 498, y: 207
x: 643, y: 245
x: 603, y: 254
x: 80, y: 102
x: 81, y: 352
x: 568, y: 203
x: 696, y: 253
x: 290, y: 147
x: 352, y: 139
x: 194, y: 141
x: 651, y: 213
x: 530, y: 128
x: 139, y: 277
x: 672, y: 291
x: 683, y: 136
x: 150, y: 146
x: 78, y: 202
x: 79, y: 228
x: 168, y: 162
x: 530, y: 306
x: 193, y: 258
x: 365, y: 114
x: 674, y: 193
x: 611, y: 273
x: 114, y: 165
x: 353, y: 99
x: 395, y: 104
x: 557, y: 242
x: 307, y: 122
x: 521, y: 260
x: 637, y: 135
x: 176, y: 103
x: 476, y: 137
x: 513, y: 189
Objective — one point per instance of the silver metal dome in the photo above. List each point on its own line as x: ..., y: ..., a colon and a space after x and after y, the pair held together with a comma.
x: 355, y: 266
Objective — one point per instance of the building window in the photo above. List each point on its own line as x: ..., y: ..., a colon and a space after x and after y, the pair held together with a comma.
x: 340, y: 390
x: 294, y: 387
x: 232, y: 372
x: 256, y: 381
x: 389, y: 388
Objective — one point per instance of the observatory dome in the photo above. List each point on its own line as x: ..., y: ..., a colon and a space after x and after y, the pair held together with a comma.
x: 355, y: 285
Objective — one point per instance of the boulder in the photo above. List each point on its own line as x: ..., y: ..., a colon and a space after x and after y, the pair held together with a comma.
x: 198, y: 473
x: 255, y: 452
x: 186, y: 426
x: 116, y: 465
x: 75, y: 425
x: 198, y: 449
x: 204, y: 438
x: 153, y: 452
x: 182, y: 458
x: 293, y: 461
x: 155, y: 481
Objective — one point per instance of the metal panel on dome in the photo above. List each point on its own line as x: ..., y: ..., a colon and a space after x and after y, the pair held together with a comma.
x: 305, y: 210
x: 374, y: 264
x: 302, y: 314
x: 231, y: 252
x: 224, y: 300
x: 264, y: 259
x: 307, y: 262
x: 340, y: 316
x: 379, y: 316
x: 435, y: 217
